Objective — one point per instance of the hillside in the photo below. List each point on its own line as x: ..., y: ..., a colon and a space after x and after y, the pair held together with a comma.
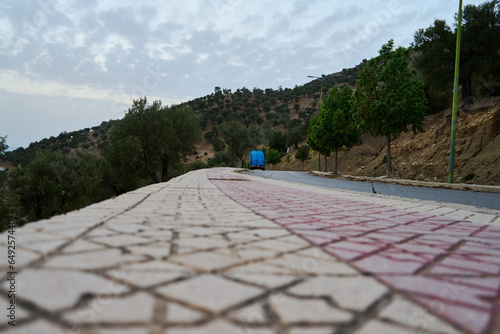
x: 425, y: 156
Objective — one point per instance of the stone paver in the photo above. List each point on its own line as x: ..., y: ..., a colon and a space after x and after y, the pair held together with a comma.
x: 215, y: 251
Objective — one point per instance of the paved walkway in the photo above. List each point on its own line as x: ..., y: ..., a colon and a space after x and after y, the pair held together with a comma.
x: 214, y: 251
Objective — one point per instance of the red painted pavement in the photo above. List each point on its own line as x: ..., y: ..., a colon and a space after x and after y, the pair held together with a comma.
x: 451, y: 267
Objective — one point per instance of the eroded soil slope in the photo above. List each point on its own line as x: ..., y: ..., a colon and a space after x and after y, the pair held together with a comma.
x: 425, y: 156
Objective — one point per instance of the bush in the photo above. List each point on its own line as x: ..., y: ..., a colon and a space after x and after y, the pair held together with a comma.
x: 221, y: 159
x: 53, y: 183
x: 469, y: 177
x: 196, y: 165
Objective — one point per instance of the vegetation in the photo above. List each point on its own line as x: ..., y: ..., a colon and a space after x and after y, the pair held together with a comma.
x: 302, y: 154
x: 273, y: 157
x: 390, y: 99
x: 240, y: 139
x: 3, y: 144
x: 480, y: 64
x: 337, y: 121
x: 53, y: 183
x: 150, y: 140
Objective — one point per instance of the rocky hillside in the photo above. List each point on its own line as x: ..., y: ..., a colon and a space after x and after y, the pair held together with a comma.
x: 425, y: 156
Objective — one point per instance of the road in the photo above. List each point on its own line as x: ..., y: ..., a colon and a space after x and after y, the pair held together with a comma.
x: 478, y: 199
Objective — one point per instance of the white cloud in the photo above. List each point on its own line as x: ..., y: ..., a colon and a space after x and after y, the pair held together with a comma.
x: 113, y: 42
x: 15, y: 82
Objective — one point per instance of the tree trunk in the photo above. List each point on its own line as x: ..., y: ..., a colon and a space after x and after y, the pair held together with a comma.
x: 303, y: 166
x: 388, y: 155
x: 335, y: 160
x: 325, y: 164
x: 164, y: 172
x: 154, y: 177
x: 467, y: 95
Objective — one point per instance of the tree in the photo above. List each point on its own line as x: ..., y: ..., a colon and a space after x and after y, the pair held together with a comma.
x: 53, y: 183
x: 273, y: 157
x: 3, y: 145
x: 391, y: 100
x: 338, y: 121
x: 479, y: 60
x: 278, y: 141
x: 151, y: 139
x: 302, y: 154
x: 240, y: 139
x: 218, y: 144
x: 435, y: 62
x: 317, y: 138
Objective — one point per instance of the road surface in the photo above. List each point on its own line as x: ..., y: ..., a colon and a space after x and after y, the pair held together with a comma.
x: 478, y: 199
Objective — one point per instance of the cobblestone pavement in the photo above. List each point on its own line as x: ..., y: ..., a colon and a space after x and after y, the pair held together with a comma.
x: 214, y: 251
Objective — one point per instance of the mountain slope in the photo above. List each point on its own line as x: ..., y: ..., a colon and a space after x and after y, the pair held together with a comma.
x: 425, y: 156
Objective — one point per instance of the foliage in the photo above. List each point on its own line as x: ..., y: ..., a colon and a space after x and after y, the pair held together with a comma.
x: 218, y: 144
x: 150, y: 139
x: 273, y: 157
x: 338, y: 122
x: 316, y: 137
x: 390, y: 99
x: 480, y: 65
x: 53, y: 183
x: 302, y: 154
x: 240, y: 139
x: 3, y: 145
x: 196, y: 165
x: 278, y: 141
x: 221, y: 159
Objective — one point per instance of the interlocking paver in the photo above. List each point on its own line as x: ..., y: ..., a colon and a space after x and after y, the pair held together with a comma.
x: 214, y: 251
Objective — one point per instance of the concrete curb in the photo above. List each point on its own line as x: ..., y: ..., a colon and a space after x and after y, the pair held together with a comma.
x: 415, y: 183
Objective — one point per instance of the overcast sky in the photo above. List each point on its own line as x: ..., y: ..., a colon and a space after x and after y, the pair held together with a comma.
x: 66, y: 65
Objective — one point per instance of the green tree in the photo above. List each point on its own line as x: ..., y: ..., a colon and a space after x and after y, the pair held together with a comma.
x: 391, y: 99
x: 3, y: 145
x: 317, y: 137
x: 436, y: 61
x: 273, y: 157
x: 53, y: 183
x: 149, y: 140
x: 480, y: 65
x: 218, y: 144
x: 240, y: 139
x: 302, y: 154
x: 338, y: 121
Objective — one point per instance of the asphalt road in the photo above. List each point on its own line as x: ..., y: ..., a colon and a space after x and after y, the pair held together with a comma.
x: 478, y: 199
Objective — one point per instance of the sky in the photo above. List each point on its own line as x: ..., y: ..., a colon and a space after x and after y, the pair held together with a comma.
x: 66, y: 65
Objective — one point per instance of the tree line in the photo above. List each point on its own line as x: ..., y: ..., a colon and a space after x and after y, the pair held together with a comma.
x: 388, y: 100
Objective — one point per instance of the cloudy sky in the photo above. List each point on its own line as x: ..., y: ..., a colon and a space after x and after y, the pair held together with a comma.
x: 68, y: 64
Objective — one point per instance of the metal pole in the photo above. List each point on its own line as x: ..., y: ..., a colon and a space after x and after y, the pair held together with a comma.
x: 451, y: 171
x: 320, y: 104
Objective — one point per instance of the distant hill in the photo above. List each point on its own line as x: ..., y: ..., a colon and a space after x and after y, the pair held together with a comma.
x: 270, y: 108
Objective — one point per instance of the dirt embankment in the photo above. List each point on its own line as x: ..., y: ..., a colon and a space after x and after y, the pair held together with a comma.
x: 425, y: 156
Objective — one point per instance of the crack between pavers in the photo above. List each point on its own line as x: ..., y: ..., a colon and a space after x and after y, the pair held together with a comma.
x: 366, y: 315
x: 438, y: 259
x: 494, y: 323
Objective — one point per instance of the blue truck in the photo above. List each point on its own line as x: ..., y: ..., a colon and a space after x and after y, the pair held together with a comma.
x: 257, y: 160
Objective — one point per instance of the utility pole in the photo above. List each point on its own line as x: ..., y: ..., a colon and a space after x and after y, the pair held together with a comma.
x: 451, y: 172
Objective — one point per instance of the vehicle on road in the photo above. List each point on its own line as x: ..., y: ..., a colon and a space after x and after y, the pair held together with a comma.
x: 257, y: 160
